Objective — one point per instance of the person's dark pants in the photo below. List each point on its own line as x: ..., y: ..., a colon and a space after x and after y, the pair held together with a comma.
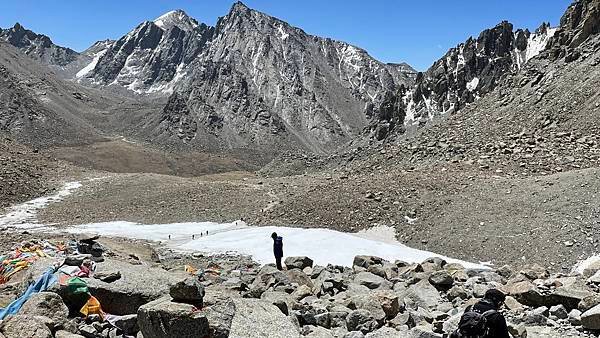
x: 278, y: 262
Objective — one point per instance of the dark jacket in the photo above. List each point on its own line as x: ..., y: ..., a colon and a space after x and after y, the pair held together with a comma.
x: 496, y: 321
x: 278, y: 247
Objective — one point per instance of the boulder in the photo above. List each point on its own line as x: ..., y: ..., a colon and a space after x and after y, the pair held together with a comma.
x: 569, y: 296
x: 575, y: 317
x: 20, y: 326
x: 280, y: 299
x: 128, y: 324
x: 299, y: 262
x: 591, y: 318
x: 422, y: 294
x: 188, y: 291
x: 423, y: 332
x: 525, y: 293
x: 441, y: 279
x: 535, y: 271
x: 137, y: 286
x: 559, y: 311
x: 220, y: 313
x: 386, y: 332
x: 299, y: 277
x: 361, y: 320
x: 257, y: 318
x: 163, y: 318
x: 372, y: 281
x: 366, y: 261
x: 588, y: 302
x: 301, y: 292
x: 66, y: 334
x: 389, y: 302
x: 46, y: 304
x: 108, y: 276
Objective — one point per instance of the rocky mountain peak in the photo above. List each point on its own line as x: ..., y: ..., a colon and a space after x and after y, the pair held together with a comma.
x: 38, y: 46
x: 580, y: 21
x: 177, y: 18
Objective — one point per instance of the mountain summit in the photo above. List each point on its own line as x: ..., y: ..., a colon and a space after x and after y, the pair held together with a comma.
x: 177, y: 18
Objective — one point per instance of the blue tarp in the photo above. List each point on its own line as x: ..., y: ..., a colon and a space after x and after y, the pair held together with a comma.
x: 42, y: 284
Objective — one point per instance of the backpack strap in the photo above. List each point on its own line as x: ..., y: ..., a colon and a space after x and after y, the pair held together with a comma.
x: 489, y: 313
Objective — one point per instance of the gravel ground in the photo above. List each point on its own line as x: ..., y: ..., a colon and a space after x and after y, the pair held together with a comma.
x: 551, y: 220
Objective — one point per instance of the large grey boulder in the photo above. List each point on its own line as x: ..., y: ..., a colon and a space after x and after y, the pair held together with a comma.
x: 188, y: 291
x: 299, y: 262
x: 569, y: 296
x: 257, y: 318
x: 20, y: 326
x: 422, y: 294
x: 591, y: 318
x: 66, y: 334
x: 163, y: 318
x: 361, y: 320
x: 299, y: 277
x: 137, y: 286
x: 366, y: 261
x: 525, y: 293
x: 219, y: 311
x: 372, y: 281
x: 128, y: 324
x: 46, y: 304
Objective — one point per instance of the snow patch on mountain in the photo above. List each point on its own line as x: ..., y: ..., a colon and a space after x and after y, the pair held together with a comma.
x: 472, y: 85
x: 177, y: 18
x: 87, y: 69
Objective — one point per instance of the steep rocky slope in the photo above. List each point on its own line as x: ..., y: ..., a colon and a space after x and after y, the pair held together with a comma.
x: 467, y: 72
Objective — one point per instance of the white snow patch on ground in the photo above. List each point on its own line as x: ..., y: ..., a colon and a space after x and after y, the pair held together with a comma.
x: 324, y: 246
x: 472, y: 85
x: 24, y: 215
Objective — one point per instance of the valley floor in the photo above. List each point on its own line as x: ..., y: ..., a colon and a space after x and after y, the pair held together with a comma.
x: 453, y: 211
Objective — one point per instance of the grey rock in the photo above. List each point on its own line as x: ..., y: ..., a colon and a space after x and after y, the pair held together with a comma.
x: 138, y: 285
x: 361, y: 320
x: 299, y: 262
x: 66, y: 334
x: 189, y: 290
x: 19, y: 326
x: 257, y: 318
x: 441, y: 279
x: 590, y: 319
x: 372, y: 281
x: 162, y: 318
x: 108, y: 276
x: 46, y: 304
x: 128, y: 324
x: 422, y: 294
x: 559, y: 311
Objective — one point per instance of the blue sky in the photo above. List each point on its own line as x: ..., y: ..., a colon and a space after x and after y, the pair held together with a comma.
x: 418, y: 32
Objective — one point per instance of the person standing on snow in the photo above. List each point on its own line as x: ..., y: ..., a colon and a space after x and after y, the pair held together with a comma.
x: 277, y: 249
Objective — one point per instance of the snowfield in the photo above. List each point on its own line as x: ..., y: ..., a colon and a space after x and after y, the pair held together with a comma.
x: 324, y: 246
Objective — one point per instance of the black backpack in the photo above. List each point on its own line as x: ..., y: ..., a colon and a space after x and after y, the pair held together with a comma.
x: 473, y: 324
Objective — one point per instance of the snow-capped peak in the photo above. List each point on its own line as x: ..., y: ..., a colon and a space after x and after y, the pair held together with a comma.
x: 176, y: 18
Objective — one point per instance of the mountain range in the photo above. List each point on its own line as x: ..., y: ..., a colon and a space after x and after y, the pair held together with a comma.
x: 254, y: 82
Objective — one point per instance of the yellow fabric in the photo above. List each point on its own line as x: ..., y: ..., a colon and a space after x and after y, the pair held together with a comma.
x: 92, y: 307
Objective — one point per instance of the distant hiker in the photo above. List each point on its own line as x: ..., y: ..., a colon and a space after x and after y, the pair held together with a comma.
x: 483, y: 320
x: 193, y: 236
x: 169, y: 236
x: 277, y: 249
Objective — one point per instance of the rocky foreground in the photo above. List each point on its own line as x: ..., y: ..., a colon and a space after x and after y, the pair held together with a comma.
x: 168, y: 294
